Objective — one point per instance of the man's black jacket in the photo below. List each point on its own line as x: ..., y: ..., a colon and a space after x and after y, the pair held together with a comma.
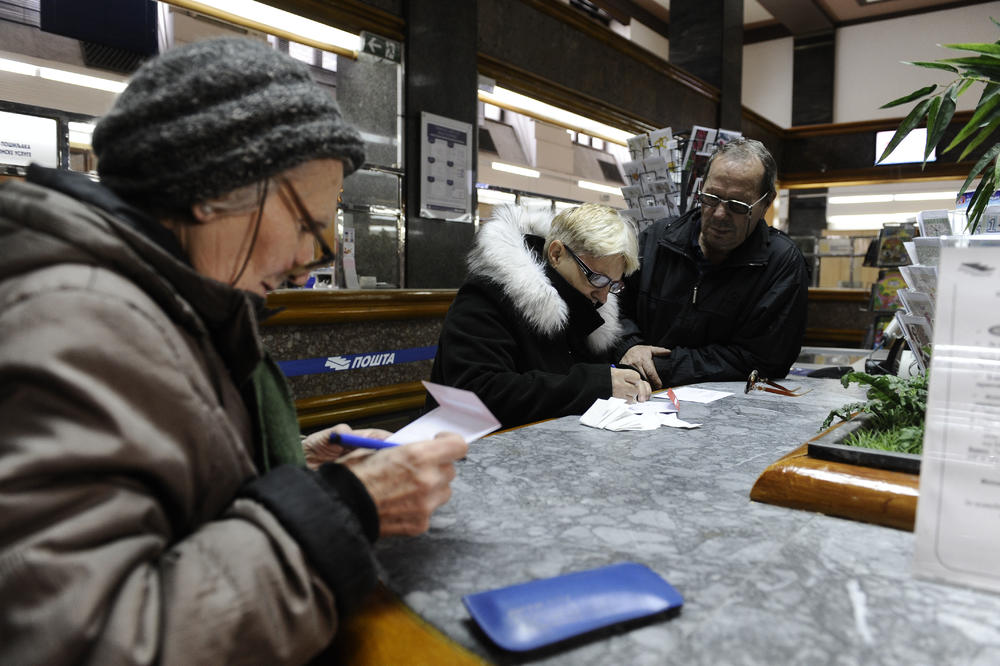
x: 746, y: 313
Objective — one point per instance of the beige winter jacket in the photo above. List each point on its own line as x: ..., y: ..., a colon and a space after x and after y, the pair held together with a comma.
x: 134, y: 527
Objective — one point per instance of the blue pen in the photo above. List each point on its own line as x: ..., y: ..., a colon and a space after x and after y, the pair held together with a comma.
x: 360, y: 442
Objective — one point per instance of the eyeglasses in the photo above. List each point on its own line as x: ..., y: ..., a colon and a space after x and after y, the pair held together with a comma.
x: 757, y: 383
x: 599, y: 280
x: 732, y: 205
x: 291, y: 199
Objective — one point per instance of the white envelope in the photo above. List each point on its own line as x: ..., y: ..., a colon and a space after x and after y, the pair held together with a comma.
x: 458, y: 411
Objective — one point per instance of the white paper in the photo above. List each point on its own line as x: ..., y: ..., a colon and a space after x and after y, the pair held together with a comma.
x: 671, y: 421
x: 958, y: 513
x: 458, y: 411
x: 692, y: 394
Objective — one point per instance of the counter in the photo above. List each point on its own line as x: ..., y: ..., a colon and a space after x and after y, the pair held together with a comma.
x: 762, y: 584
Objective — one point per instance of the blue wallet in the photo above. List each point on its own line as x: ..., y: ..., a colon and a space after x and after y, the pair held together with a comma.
x: 532, y: 615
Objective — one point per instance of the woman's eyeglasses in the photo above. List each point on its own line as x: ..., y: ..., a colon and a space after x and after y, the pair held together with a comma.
x: 291, y: 199
x: 757, y: 383
x: 732, y: 205
x: 599, y: 280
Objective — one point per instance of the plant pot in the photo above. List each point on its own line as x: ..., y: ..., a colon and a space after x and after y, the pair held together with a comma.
x: 828, y: 446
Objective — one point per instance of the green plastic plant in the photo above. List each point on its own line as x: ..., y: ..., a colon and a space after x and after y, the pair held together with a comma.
x: 936, y: 105
x: 895, y: 406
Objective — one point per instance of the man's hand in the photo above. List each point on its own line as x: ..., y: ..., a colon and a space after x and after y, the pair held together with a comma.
x: 629, y: 385
x: 641, y: 357
x: 319, y: 449
x: 408, y: 482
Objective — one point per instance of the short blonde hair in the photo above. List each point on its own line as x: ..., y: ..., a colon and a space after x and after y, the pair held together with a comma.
x: 597, y: 230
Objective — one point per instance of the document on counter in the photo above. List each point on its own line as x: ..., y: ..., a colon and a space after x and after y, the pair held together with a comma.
x: 616, y: 414
x: 694, y: 394
x: 958, y: 513
x: 458, y: 411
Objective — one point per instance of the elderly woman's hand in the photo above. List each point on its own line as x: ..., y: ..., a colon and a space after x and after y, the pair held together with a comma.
x: 628, y: 384
x: 319, y: 449
x: 408, y: 482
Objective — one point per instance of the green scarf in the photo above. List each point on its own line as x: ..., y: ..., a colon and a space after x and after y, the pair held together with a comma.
x: 277, y: 423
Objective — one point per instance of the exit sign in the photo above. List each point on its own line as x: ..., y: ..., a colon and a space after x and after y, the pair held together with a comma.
x: 381, y: 47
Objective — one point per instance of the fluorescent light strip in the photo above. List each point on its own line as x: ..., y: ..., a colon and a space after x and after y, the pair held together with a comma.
x: 278, y: 22
x: 886, y: 198
x: 597, y: 187
x: 494, y: 197
x: 926, y: 196
x: 866, y: 221
x: 518, y: 103
x: 62, y: 76
x: 520, y: 171
x: 861, y: 199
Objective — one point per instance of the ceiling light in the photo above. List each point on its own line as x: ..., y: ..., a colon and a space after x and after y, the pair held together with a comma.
x: 925, y: 196
x: 510, y: 168
x: 62, y: 76
x: 278, y: 22
x: 597, y: 187
x: 513, y: 101
x: 80, y: 133
x: 861, y: 199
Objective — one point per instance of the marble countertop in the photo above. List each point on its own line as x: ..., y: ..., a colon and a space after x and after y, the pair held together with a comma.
x: 762, y: 584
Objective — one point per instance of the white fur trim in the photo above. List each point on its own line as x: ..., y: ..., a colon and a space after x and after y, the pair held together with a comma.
x: 501, y: 255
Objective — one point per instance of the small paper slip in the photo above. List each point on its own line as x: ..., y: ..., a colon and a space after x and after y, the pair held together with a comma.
x: 693, y: 394
x: 541, y: 612
x: 458, y: 411
x: 614, y: 414
x: 671, y: 421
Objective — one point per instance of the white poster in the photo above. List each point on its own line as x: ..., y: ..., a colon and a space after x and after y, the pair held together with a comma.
x: 445, y: 173
x: 958, y: 513
x: 26, y: 139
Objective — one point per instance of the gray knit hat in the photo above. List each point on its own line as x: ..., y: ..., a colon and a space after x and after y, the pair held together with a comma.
x: 210, y: 117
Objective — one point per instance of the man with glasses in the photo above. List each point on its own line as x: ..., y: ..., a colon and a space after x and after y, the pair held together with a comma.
x: 534, y: 331
x: 720, y: 293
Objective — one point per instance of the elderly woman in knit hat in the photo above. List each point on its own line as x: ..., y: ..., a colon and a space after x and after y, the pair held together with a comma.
x: 155, y: 501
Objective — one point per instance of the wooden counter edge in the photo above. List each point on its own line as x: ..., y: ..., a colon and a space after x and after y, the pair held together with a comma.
x: 386, y: 631
x: 869, y: 495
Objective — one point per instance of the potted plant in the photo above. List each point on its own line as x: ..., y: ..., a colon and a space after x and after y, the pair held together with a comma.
x: 886, y: 430
x: 935, y: 106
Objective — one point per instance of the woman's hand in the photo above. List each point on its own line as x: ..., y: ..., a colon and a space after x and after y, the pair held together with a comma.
x: 630, y: 385
x: 408, y: 482
x: 319, y: 449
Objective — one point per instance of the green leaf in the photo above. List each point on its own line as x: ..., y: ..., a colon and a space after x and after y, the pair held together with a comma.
x: 979, y: 138
x: 932, y: 119
x: 916, y: 94
x: 979, y: 166
x: 984, y: 114
x: 989, y: 90
x: 909, y: 122
x: 976, y: 47
x: 933, y: 65
x: 983, y: 62
x: 981, y: 197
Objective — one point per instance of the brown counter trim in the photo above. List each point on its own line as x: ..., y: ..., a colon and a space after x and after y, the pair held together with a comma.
x: 578, y: 21
x: 849, y: 295
x: 321, y: 306
x: 875, y: 175
x: 325, y: 410
x: 858, y: 126
x: 351, y: 15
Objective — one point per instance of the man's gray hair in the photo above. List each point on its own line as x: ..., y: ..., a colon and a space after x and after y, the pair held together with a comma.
x: 597, y: 230
x: 744, y: 149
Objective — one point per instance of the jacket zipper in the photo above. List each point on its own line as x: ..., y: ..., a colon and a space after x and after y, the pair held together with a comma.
x: 694, y: 295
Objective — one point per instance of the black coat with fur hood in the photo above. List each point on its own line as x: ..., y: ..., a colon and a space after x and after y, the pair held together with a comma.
x: 519, y: 335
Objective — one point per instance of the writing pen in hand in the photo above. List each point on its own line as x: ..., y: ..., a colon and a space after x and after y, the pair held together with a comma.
x: 360, y: 442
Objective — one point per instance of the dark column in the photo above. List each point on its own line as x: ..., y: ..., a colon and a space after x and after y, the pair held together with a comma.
x: 706, y: 39
x: 441, y: 78
x: 812, y: 103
